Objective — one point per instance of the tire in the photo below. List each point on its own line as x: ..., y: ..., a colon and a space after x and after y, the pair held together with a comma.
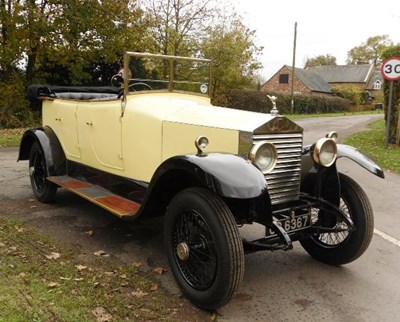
x: 43, y: 189
x: 203, y: 247
x: 344, y: 247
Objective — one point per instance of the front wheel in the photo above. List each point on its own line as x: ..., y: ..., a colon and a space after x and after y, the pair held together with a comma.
x: 203, y: 247
x: 342, y: 247
x: 43, y: 189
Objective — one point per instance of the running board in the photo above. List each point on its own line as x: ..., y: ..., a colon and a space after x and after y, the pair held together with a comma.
x: 115, y: 204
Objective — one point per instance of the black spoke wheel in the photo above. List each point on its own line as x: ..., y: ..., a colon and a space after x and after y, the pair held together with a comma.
x: 43, y: 189
x: 204, y: 248
x: 343, y: 246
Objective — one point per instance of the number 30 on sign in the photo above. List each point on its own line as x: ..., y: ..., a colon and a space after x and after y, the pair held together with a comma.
x: 391, y: 68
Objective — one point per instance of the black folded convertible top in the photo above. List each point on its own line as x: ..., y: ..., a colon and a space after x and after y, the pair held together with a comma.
x: 35, y: 91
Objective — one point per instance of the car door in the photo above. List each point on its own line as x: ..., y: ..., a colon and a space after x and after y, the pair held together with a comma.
x: 61, y: 116
x: 99, y: 131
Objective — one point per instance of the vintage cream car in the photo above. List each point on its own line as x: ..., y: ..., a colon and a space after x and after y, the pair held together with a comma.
x: 154, y: 145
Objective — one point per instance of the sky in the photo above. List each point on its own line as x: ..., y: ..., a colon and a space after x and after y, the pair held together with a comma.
x: 323, y: 27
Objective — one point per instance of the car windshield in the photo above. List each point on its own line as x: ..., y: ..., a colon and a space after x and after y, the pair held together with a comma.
x: 160, y: 72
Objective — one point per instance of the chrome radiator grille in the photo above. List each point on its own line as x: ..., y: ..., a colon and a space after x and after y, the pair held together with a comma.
x: 284, y: 181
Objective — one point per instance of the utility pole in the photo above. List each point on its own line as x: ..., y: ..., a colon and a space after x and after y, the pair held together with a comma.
x: 293, y: 64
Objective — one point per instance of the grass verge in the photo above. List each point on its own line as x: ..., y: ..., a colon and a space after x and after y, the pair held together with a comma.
x: 306, y: 116
x: 11, y: 137
x: 41, y: 280
x: 372, y: 142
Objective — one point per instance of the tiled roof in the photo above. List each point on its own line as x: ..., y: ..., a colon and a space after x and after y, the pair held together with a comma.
x: 312, y: 80
x: 343, y: 73
x: 377, y: 75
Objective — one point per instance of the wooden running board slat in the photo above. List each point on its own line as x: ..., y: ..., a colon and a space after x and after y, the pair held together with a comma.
x: 119, y: 206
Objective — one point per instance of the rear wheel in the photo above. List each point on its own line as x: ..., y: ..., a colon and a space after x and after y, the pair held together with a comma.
x: 342, y: 246
x: 43, y: 189
x: 203, y: 247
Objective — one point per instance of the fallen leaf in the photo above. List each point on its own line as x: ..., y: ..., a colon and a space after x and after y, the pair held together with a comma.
x: 137, y: 264
x: 80, y: 267
x: 53, y: 255
x: 100, y: 253
x: 154, y: 287
x: 145, y: 310
x: 53, y: 284
x: 2, y: 244
x: 139, y: 293
x: 101, y: 314
x: 159, y: 270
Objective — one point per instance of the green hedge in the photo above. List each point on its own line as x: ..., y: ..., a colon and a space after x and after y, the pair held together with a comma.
x: 257, y: 101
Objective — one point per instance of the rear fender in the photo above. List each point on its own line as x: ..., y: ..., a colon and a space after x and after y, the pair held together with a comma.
x: 50, y: 145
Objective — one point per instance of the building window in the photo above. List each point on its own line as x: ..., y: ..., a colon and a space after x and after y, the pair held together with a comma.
x: 378, y: 84
x: 284, y: 79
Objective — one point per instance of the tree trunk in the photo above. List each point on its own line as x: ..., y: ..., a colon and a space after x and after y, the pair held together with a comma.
x: 398, y: 132
x: 30, y: 68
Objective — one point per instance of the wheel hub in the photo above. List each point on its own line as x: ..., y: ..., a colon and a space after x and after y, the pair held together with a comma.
x: 183, y: 251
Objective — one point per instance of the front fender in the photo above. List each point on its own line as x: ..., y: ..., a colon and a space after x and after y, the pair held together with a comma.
x: 227, y: 175
x: 360, y: 158
x: 52, y: 150
x: 239, y: 183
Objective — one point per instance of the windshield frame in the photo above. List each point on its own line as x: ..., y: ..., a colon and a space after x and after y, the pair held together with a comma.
x: 170, y: 59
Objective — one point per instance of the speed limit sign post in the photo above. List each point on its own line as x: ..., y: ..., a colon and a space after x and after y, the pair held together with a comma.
x: 390, y: 70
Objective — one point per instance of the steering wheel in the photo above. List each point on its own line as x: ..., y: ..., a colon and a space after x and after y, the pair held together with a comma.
x: 147, y: 86
x: 117, y: 80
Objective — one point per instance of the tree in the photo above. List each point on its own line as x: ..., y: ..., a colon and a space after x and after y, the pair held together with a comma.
x: 88, y: 39
x: 369, y: 52
x: 232, y: 48
x: 179, y: 26
x: 321, y: 60
x: 200, y: 28
x: 11, y: 34
x: 64, y: 42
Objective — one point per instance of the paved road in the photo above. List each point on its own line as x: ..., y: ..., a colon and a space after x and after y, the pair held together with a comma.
x: 278, y: 286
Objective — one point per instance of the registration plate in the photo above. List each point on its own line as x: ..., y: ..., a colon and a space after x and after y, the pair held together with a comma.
x: 292, y: 224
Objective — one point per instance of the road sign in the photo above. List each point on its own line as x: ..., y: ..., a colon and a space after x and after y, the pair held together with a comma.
x: 390, y: 68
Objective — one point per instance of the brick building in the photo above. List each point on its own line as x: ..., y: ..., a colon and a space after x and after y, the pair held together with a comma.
x: 320, y: 80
